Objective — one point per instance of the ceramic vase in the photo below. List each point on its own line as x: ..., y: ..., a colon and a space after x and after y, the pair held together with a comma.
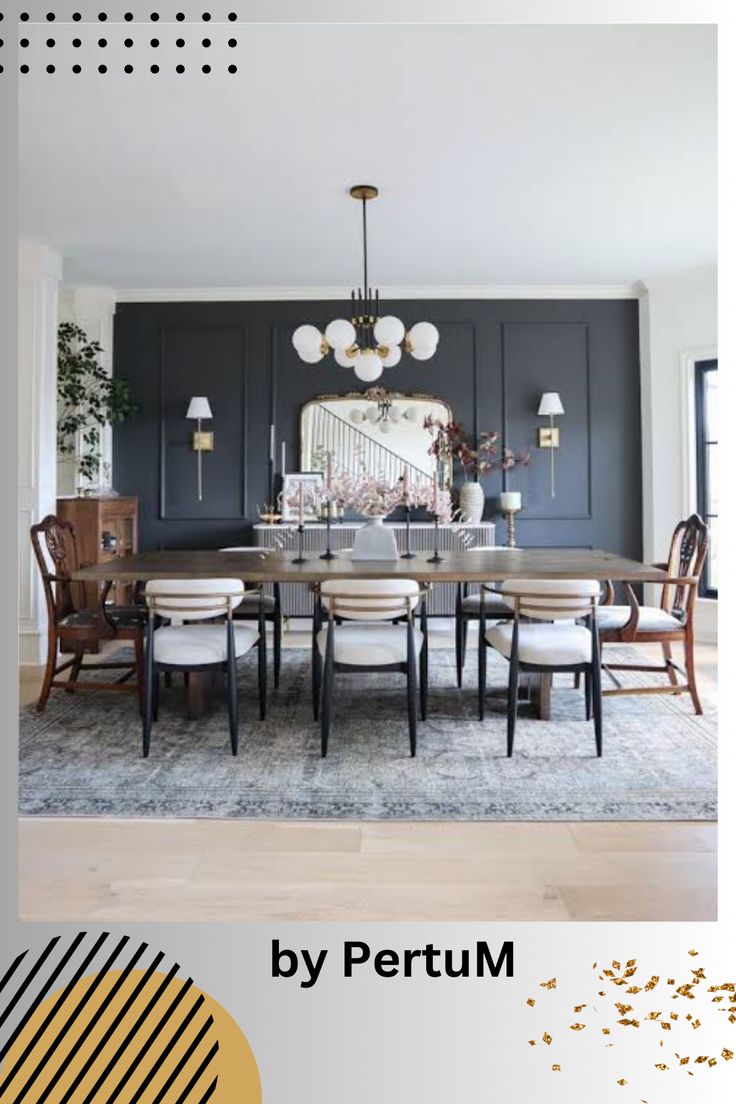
x: 472, y: 502
x: 375, y: 541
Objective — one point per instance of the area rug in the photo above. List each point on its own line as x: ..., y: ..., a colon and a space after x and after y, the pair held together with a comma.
x: 82, y: 756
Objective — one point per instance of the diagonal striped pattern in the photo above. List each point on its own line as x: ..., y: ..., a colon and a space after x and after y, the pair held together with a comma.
x: 95, y: 1019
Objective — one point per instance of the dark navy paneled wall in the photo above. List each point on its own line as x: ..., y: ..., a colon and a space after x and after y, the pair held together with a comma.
x: 494, y: 360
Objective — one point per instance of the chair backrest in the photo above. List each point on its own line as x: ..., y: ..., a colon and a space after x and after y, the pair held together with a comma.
x: 194, y: 599
x: 370, y: 599
x: 55, y: 548
x: 688, y: 549
x: 552, y: 599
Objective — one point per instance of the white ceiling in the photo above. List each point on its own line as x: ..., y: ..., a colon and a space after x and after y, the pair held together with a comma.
x: 505, y: 155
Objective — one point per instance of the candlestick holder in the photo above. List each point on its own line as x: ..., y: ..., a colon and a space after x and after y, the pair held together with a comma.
x: 328, y: 554
x: 510, y: 515
x: 300, y: 557
x: 436, y: 558
x: 408, y: 555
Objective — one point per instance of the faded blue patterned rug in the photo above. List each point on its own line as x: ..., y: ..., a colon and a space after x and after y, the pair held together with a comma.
x: 82, y: 757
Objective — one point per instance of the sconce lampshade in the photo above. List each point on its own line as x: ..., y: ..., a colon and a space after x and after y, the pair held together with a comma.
x: 199, y: 407
x: 550, y: 403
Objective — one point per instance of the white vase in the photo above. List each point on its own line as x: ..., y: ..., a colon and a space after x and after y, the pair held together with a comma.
x: 472, y: 502
x: 374, y: 541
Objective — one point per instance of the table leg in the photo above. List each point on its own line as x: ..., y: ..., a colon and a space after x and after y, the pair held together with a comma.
x: 200, y: 686
x: 540, y: 692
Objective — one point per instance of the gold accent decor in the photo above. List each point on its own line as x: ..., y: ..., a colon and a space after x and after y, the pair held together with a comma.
x: 203, y: 441
x: 364, y: 191
x: 548, y: 437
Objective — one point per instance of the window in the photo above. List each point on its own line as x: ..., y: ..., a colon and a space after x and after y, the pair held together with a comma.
x: 706, y: 443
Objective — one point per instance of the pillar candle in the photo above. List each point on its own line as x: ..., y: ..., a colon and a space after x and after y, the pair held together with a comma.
x: 510, y: 500
x: 283, y: 457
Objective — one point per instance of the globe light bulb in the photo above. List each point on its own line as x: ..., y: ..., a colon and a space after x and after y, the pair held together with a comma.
x: 392, y: 357
x: 424, y: 352
x: 423, y: 335
x: 343, y: 359
x: 340, y: 334
x: 307, y: 340
x: 368, y: 365
x: 385, y: 427
x: 389, y: 330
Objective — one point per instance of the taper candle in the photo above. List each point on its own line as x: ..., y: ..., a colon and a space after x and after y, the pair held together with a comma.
x: 329, y: 471
x: 434, y: 494
x: 283, y: 457
x: 301, y: 503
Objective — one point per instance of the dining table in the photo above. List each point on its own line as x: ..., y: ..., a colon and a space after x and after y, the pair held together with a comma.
x: 262, y: 566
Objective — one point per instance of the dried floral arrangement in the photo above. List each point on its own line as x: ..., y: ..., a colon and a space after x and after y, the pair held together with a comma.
x: 450, y: 444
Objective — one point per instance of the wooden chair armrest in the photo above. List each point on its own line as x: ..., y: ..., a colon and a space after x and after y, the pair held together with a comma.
x: 679, y: 580
x: 609, y: 593
x: 628, y: 631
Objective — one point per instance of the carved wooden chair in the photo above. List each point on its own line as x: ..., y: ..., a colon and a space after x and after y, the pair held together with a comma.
x: 669, y: 623
x: 75, y: 629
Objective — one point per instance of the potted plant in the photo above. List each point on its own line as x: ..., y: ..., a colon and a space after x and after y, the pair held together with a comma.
x: 449, y: 444
x: 88, y: 399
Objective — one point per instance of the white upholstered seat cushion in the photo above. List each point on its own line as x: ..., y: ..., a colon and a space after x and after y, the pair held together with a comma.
x: 184, y: 645
x: 545, y: 644
x: 651, y: 619
x: 494, y: 603
x: 366, y: 645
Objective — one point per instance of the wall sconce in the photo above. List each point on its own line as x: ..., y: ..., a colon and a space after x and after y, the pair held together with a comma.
x: 549, y: 436
x: 199, y: 408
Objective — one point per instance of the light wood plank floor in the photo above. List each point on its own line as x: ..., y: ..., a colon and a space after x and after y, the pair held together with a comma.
x: 127, y: 870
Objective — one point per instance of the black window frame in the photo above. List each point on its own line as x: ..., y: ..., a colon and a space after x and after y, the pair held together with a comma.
x: 702, y: 368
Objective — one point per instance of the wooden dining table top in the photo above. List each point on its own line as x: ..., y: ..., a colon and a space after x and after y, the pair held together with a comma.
x: 276, y: 565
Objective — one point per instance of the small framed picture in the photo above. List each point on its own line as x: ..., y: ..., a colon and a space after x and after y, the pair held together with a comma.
x: 312, y: 484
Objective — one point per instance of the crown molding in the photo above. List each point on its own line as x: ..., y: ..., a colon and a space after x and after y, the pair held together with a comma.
x: 272, y: 294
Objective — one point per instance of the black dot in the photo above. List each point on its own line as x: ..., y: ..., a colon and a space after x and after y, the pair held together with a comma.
x: 101, y: 68
x: 206, y: 17
x: 24, y: 19
x: 24, y: 68
x: 154, y: 42
x: 76, y: 68
x: 206, y: 42
x: 180, y: 17
x: 24, y: 42
x: 1, y: 41
x: 1, y: 68
x: 102, y: 17
x: 232, y: 17
x: 50, y: 42
x: 232, y: 68
x: 128, y: 17
x: 50, y: 69
x: 102, y: 42
x: 180, y: 68
x: 50, y: 17
x: 180, y: 42
x: 154, y: 68
x: 76, y: 42
x: 128, y: 42
x: 232, y: 42
x: 206, y: 68
x: 154, y: 17
x: 76, y: 17
x: 128, y: 68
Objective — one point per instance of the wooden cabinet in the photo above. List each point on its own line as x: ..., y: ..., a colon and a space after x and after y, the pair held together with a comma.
x: 106, y: 528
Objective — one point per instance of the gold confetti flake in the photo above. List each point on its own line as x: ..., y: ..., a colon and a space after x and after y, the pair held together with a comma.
x: 624, y: 1008
x: 606, y: 1031
x: 531, y: 1002
x: 551, y: 984
x: 674, y: 1015
x: 631, y: 962
x: 701, y: 1058
x: 601, y: 993
x: 629, y: 1023
x: 689, y: 1016
x: 716, y: 999
x: 661, y: 1066
x: 577, y: 1027
x: 595, y: 965
x: 670, y: 981
x: 618, y: 981
x: 532, y: 1042
x: 651, y: 984
x: 634, y: 989
x: 699, y: 973
x: 695, y: 1024
x: 653, y: 1015
x: 684, y: 1061
x: 712, y: 1061
x: 547, y: 1038
x: 616, y: 965
x: 692, y: 953
x: 556, y: 1067
x: 727, y: 1054
x: 622, y: 1081
x: 579, y: 1007
x: 666, y: 1026
x: 732, y: 1017
x: 608, y: 973
x: 629, y: 973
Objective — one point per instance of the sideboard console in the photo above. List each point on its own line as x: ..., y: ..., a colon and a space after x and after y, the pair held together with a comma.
x: 296, y: 600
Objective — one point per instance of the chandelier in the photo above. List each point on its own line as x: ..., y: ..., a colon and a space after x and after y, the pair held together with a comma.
x: 385, y: 415
x: 369, y: 342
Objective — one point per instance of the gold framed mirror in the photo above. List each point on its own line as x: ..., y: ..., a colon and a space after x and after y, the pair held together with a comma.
x: 378, y: 429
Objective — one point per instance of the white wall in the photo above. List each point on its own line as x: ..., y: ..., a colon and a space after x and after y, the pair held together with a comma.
x: 39, y: 273
x: 679, y: 325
